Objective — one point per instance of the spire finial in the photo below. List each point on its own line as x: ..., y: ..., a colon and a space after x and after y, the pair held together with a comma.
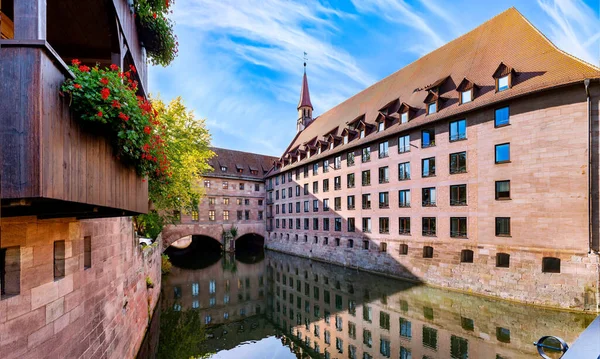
x: 305, y: 59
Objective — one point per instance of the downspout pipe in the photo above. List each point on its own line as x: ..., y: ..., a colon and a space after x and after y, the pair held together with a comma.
x: 586, y: 83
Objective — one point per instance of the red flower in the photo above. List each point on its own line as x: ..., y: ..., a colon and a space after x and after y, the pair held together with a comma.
x: 114, y: 67
x: 154, y: 15
x: 99, y: 114
x: 121, y: 75
x: 105, y: 93
x: 77, y: 86
x: 116, y: 104
x: 132, y: 68
x: 147, y: 130
x: 104, y: 81
x: 75, y: 62
x: 123, y: 116
x: 128, y: 74
x: 84, y: 68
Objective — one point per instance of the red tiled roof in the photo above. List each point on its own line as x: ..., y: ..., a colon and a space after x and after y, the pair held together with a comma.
x: 234, y: 160
x: 507, y: 39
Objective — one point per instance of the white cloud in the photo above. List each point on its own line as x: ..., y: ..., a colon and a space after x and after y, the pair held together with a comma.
x: 574, y: 27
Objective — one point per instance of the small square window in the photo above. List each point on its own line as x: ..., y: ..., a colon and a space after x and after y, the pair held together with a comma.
x: 503, y: 83
x: 404, y: 117
x: 502, y: 117
x: 427, y: 252
x: 466, y: 96
x: 503, y: 153
x: 431, y: 108
x: 550, y: 265
x: 502, y: 226
x: 502, y: 190
x: 502, y: 260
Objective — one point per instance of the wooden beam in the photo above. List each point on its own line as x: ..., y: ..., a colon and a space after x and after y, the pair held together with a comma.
x: 30, y: 20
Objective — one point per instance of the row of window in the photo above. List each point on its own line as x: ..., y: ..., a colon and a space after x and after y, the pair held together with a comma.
x: 458, y: 197
x: 239, y: 201
x: 241, y: 215
x: 225, y: 185
x: 457, y: 132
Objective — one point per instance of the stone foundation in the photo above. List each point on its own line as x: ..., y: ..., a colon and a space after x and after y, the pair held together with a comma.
x: 96, y: 312
x: 574, y: 288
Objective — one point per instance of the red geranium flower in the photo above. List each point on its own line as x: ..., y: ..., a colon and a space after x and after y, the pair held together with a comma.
x: 116, y: 104
x: 99, y: 114
x: 104, y: 81
x: 123, y: 116
x: 105, y: 93
x: 147, y: 130
x: 84, y: 68
x: 114, y: 67
x: 75, y: 62
x: 132, y: 68
x: 77, y: 86
x: 154, y: 15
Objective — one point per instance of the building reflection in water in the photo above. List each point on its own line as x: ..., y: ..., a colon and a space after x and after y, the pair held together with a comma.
x: 319, y: 310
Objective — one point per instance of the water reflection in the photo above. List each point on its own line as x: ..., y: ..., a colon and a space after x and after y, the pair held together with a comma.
x: 296, y: 307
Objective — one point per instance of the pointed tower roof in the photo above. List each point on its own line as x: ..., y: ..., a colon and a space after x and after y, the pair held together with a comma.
x: 304, y: 93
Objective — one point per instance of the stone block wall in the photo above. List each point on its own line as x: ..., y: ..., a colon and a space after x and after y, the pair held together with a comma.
x: 96, y: 312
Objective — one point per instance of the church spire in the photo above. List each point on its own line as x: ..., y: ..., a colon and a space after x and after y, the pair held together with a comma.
x: 305, y: 107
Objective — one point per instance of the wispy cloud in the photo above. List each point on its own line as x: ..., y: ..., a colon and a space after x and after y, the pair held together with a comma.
x: 574, y: 27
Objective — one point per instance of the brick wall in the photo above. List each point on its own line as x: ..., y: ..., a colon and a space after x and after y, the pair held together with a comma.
x: 98, y: 312
x: 548, y: 209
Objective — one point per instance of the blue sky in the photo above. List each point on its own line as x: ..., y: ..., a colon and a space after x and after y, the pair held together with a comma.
x: 240, y: 61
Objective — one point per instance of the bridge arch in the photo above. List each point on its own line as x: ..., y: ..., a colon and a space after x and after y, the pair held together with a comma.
x: 174, y: 232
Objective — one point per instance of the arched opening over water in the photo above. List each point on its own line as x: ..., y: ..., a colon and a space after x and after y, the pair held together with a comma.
x: 201, y: 252
x: 249, y: 248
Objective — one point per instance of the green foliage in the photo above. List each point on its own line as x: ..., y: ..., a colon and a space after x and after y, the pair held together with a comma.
x: 150, y: 224
x: 149, y: 282
x: 107, y: 100
x: 156, y: 30
x: 181, y: 334
x: 165, y: 265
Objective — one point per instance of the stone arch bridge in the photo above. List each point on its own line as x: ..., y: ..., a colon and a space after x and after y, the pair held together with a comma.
x: 174, y: 232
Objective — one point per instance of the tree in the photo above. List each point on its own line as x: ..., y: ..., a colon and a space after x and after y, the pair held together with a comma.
x: 187, y: 148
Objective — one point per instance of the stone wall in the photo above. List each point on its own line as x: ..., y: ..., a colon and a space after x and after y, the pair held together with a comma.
x: 96, y: 312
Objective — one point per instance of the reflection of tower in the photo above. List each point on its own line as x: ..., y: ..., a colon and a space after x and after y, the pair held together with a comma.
x: 305, y: 107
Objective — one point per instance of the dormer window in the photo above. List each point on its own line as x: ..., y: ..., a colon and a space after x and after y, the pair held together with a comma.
x: 319, y: 150
x: 381, y: 126
x: 467, y: 90
x: 466, y: 96
x: 504, y: 76
x: 331, y: 146
x: 240, y: 170
x: 223, y: 169
x: 362, y: 133
x: 404, y: 117
x: 432, y: 102
x: 298, y: 157
x: 345, y: 139
x: 431, y: 108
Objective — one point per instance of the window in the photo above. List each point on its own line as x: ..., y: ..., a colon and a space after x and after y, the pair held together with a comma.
x: 384, y: 226
x: 366, y: 178
x: 502, y: 117
x: 206, y: 183
x: 366, y: 244
x: 326, y: 185
x: 247, y: 215
x: 431, y: 108
x: 326, y: 204
x: 59, y: 259
x: 351, y: 224
x: 350, y: 180
x: 325, y: 166
x: 366, y: 225
x: 350, y: 202
x: 367, y: 313
x: 404, y: 144
x: 337, y: 203
x: 337, y: 183
x: 362, y: 133
x: 315, y: 187
x: 550, y: 265
x: 226, y: 201
x: 350, y: 159
x: 427, y: 138
x: 429, y: 197
x: 466, y: 256
x: 223, y: 169
x: 403, y: 249
x: 315, y: 205
x: 10, y: 272
x: 502, y: 226
x: 305, y: 189
x: 458, y: 162
x: 381, y: 126
x: 459, y: 347
x: 211, y: 200
x: 503, y: 83
x: 325, y: 225
x: 429, y: 337
x: 256, y: 187
x: 346, y: 139
x: 247, y: 201
x: 367, y: 338
x: 226, y: 215
x: 502, y: 190
x: 366, y: 201
x: 458, y: 195
x: 306, y: 227
x: 87, y: 252
x: 383, y: 149
x: 350, y: 245
x: 404, y: 171
x: 404, y: 117
x: 384, y: 174
x: 239, y: 215
x: 211, y: 215
x: 503, y: 335
x: 428, y: 167
x: 503, y: 153
x: 225, y: 185
x: 337, y: 242
x: 502, y: 260
x: 337, y: 162
x: 384, y: 347
x: 239, y: 200
x: 428, y: 226
x: 242, y: 185
x: 404, y: 198
x: 458, y: 130
x: 404, y: 225
x: 384, y: 200
x: 305, y: 206
x: 305, y: 171
x: 384, y: 320
x: 339, y: 344
x: 466, y: 96
x: 366, y: 154
x: 405, y: 328
x: 405, y: 353
x: 315, y: 169
x: 338, y: 225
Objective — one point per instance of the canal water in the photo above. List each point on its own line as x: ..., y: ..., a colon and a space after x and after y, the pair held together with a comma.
x: 274, y: 305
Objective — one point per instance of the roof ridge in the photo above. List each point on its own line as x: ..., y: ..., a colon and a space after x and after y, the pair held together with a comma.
x: 232, y: 150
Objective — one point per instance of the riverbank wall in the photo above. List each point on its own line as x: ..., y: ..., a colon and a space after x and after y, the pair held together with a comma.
x: 75, y: 288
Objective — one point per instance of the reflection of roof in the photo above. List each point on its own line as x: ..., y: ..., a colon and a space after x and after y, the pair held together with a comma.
x: 507, y: 39
x: 252, y: 165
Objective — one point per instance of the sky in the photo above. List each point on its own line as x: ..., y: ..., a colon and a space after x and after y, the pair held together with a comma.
x: 240, y: 62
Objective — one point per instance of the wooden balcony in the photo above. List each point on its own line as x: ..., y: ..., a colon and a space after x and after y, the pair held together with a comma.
x: 49, y: 165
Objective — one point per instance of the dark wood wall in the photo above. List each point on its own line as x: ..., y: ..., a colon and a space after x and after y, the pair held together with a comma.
x: 44, y: 152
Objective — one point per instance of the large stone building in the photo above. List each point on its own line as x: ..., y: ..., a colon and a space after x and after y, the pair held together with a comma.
x: 473, y: 168
x: 234, y: 197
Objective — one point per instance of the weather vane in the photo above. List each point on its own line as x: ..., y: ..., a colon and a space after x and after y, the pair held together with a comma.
x: 305, y: 59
